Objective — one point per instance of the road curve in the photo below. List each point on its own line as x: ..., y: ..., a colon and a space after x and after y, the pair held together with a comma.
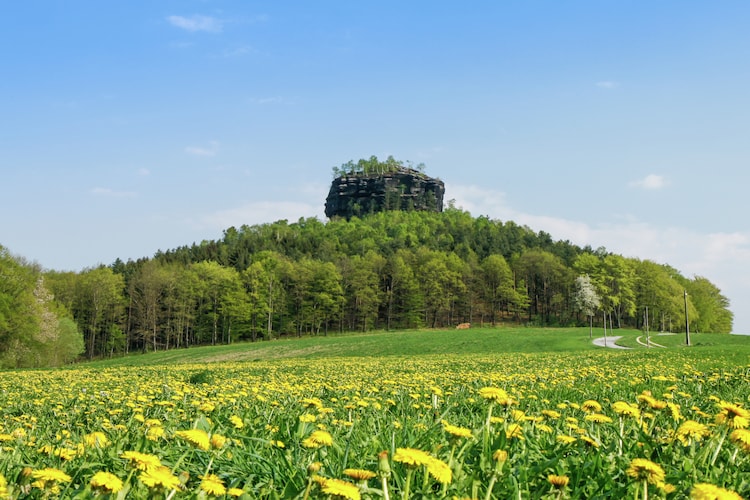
x: 610, y: 342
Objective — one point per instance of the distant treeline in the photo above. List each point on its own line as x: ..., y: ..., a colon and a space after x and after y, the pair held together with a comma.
x: 389, y: 270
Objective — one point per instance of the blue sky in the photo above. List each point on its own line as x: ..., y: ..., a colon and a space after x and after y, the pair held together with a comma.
x: 129, y: 127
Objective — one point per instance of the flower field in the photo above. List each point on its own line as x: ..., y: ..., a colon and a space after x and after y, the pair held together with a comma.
x: 672, y: 424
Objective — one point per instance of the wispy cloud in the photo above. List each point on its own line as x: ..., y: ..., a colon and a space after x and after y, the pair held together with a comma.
x: 197, y: 23
x: 111, y: 193
x: 717, y: 256
x: 211, y: 150
x: 259, y: 212
x: 143, y: 172
x: 651, y: 181
x: 607, y: 84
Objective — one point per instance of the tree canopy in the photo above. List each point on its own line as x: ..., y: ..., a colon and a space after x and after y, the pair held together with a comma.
x: 387, y: 270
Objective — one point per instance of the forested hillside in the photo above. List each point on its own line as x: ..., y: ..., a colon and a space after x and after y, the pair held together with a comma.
x: 389, y: 270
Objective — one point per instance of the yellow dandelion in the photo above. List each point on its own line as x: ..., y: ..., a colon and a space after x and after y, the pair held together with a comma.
x: 733, y: 416
x: 96, y: 440
x: 340, y: 489
x: 235, y: 492
x: 213, y: 485
x: 317, y: 439
x: 558, y: 482
x: 626, y: 409
x: 551, y: 414
x: 411, y: 457
x: 359, y: 474
x: 141, y: 461
x: 236, y: 422
x: 160, y: 477
x: 705, y: 491
x: 154, y: 433
x: 455, y: 431
x: 514, y: 431
x: 645, y: 470
x: 589, y: 442
x: 196, y: 437
x: 741, y: 437
x: 691, y: 431
x: 500, y: 456
x: 218, y: 441
x: 496, y: 395
x: 591, y: 406
x: 597, y: 418
x: 439, y: 470
x: 565, y: 439
x: 50, y: 474
x: 106, y: 482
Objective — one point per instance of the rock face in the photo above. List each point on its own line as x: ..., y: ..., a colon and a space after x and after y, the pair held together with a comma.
x: 404, y: 189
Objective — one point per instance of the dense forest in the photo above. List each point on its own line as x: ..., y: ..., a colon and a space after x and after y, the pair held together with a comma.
x: 388, y: 270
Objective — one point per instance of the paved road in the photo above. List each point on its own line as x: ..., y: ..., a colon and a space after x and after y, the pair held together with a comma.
x: 610, y: 342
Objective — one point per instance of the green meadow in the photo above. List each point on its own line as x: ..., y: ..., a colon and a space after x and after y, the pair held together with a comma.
x: 481, y: 413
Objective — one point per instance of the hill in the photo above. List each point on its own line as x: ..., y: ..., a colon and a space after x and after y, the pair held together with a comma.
x: 390, y: 270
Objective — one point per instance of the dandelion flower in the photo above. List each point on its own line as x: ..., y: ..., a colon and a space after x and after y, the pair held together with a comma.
x: 96, y: 440
x: 197, y: 437
x: 142, y: 461
x: 591, y: 406
x: 236, y: 422
x: 705, y: 491
x: 439, y: 470
x: 106, y: 482
x: 51, y: 474
x: 218, y: 441
x: 691, y: 431
x: 558, y: 482
x: 213, y: 485
x: 646, y: 470
x: 626, y: 409
x: 598, y: 418
x: 741, y: 437
x: 514, y: 431
x: 411, y: 457
x: 495, y: 395
x: 565, y: 439
x: 455, y: 431
x: 235, y: 492
x: 733, y: 416
x: 160, y: 477
x: 359, y: 474
x: 340, y: 489
x: 317, y: 439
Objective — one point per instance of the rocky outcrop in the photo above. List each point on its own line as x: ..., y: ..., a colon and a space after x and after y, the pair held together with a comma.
x: 403, y: 189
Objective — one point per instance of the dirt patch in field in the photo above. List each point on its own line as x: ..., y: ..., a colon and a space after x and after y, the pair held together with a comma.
x: 261, y: 354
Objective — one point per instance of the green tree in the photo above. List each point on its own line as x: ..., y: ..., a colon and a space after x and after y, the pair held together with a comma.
x: 712, y: 308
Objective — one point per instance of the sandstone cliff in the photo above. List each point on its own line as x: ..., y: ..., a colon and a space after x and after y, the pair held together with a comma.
x: 404, y: 189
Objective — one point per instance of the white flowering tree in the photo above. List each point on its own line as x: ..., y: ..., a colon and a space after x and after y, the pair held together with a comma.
x: 586, y: 299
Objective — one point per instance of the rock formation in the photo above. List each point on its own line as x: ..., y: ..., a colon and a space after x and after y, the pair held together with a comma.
x: 359, y: 194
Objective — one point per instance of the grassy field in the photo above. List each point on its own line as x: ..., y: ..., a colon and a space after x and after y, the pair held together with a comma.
x: 483, y: 413
x: 424, y: 342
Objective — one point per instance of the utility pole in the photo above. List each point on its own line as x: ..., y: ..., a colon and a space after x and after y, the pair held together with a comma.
x: 687, y: 322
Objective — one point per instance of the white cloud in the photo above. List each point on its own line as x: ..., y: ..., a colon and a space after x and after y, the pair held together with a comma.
x: 607, y: 84
x: 651, y: 181
x: 211, y: 150
x: 259, y: 212
x: 101, y: 191
x: 723, y: 258
x: 143, y: 172
x: 197, y: 23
